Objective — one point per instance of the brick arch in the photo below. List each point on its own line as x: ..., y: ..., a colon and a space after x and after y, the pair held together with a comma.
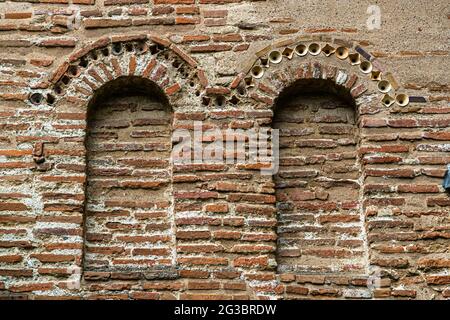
x: 128, y: 223
x: 346, y: 80
x: 265, y: 91
x: 323, y: 65
x: 320, y: 179
x: 361, y: 93
x: 109, y: 58
x: 160, y: 68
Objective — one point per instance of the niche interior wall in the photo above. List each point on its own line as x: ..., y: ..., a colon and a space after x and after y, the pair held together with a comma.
x: 92, y: 207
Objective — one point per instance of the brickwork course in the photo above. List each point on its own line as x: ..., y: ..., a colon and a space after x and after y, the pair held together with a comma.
x: 91, y: 206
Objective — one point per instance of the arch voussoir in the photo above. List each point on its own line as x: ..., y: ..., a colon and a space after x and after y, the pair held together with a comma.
x: 347, y: 64
x: 109, y: 58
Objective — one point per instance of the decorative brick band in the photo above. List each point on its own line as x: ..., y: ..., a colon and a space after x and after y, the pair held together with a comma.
x: 253, y: 81
x: 109, y: 58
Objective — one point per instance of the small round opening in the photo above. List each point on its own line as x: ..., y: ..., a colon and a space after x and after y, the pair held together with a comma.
x: 275, y: 57
x: 301, y: 49
x: 257, y: 72
x: 314, y: 48
x: 36, y: 98
x: 73, y: 70
x: 342, y: 52
x: 117, y: 48
x: 241, y: 90
x: 58, y: 90
x: 140, y: 47
x: 220, y: 101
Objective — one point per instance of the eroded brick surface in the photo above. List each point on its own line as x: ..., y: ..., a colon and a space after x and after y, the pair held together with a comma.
x: 129, y: 185
x: 320, y: 223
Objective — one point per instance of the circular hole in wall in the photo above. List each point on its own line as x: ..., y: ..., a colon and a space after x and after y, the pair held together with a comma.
x: 141, y: 47
x: 384, y: 86
x: 314, y: 48
x: 220, y: 101
x: 366, y: 67
x: 105, y: 52
x: 241, y: 90
x: 117, y: 48
x: 36, y: 98
x: 73, y: 70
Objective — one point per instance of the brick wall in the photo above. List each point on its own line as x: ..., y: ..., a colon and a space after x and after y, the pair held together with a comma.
x: 128, y: 155
x: 91, y: 207
x: 318, y: 186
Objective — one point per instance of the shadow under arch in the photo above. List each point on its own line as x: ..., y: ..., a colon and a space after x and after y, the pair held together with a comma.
x: 320, y: 223
x: 314, y: 87
x: 129, y: 86
x: 128, y: 208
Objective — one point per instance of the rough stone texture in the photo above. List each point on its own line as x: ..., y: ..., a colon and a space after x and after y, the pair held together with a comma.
x: 210, y: 231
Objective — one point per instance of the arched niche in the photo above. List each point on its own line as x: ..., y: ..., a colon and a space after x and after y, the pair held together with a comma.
x: 318, y: 187
x: 128, y: 206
